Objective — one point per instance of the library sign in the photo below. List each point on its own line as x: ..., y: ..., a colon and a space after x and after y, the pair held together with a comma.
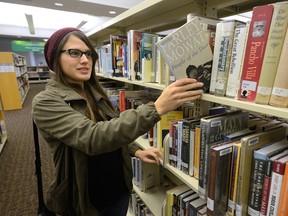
x: 27, y: 46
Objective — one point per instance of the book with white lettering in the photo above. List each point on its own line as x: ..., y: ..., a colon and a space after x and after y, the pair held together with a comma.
x: 188, y: 53
x: 255, y: 51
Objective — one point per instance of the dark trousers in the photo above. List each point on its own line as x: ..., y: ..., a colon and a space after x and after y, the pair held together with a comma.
x: 119, y: 208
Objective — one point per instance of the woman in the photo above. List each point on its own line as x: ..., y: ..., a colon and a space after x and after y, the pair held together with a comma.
x: 77, y: 120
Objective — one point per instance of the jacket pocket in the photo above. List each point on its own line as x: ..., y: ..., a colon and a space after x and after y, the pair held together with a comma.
x: 57, y: 197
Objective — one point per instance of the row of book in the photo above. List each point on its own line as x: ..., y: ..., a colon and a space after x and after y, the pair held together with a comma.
x: 249, y: 58
x: 137, y: 207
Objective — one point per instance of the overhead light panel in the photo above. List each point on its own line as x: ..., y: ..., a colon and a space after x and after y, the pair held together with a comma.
x: 30, y: 22
x: 81, y: 24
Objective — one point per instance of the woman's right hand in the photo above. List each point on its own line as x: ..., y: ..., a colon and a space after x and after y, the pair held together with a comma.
x: 177, y: 93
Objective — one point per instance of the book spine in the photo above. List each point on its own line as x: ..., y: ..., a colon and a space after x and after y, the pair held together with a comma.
x: 255, y: 50
x: 256, y: 184
x: 191, y: 152
x: 197, y: 152
x: 279, y: 96
x: 236, y: 63
x: 276, y: 183
x: 283, y: 207
x: 211, y: 182
x: 228, y: 28
x: 185, y: 150
x: 272, y: 54
x: 179, y: 145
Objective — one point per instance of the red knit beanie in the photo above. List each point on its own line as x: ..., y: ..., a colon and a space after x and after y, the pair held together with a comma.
x: 52, y: 44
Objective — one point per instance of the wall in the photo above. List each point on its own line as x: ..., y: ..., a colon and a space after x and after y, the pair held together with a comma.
x: 32, y: 58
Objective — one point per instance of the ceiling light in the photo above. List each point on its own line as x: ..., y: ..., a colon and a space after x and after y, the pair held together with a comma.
x: 112, y: 12
x: 58, y: 4
x: 30, y: 22
x: 81, y: 24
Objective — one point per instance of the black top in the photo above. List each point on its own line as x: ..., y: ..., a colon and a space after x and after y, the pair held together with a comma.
x: 106, y: 179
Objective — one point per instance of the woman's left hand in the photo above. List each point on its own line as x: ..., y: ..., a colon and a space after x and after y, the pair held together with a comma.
x: 151, y: 155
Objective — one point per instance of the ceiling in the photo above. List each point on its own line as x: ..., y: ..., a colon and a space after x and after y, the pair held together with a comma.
x: 40, y: 18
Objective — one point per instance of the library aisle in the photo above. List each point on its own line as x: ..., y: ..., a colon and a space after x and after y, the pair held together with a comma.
x: 18, y: 183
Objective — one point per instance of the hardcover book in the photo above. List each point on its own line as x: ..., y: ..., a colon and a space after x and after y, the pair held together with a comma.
x: 219, y: 175
x: 267, y: 182
x: 274, y: 46
x: 213, y: 130
x: 236, y: 61
x: 248, y: 145
x: 255, y: 50
x: 227, y: 29
x: 117, y: 51
x: 276, y: 185
x: 196, y: 152
x: 188, y: 53
x: 283, y: 200
x: 260, y: 160
x: 279, y: 96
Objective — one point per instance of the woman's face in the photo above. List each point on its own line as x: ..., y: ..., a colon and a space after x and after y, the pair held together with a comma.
x: 77, y: 69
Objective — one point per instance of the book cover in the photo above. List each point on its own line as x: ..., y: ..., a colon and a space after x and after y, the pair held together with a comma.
x: 180, y: 200
x: 260, y: 159
x: 188, y: 53
x: 276, y: 185
x: 283, y: 200
x: 255, y: 50
x: 134, y: 54
x: 227, y: 29
x: 213, y: 130
x: 218, y: 181
x: 279, y: 96
x: 248, y: 145
x: 236, y: 61
x: 147, y: 56
x: 176, y: 203
x: 117, y: 53
x: 163, y: 125
x: 267, y: 182
x: 186, y: 201
x: 274, y: 46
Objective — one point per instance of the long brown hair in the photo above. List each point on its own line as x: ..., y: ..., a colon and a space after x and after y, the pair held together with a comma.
x: 59, y: 75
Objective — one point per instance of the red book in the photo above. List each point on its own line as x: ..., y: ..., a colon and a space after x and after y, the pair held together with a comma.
x: 122, y: 101
x: 255, y: 50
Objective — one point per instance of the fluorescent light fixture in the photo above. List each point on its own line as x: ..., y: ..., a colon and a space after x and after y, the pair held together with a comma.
x: 112, y: 12
x: 30, y: 22
x: 58, y: 4
x: 81, y: 24
x: 119, y: 3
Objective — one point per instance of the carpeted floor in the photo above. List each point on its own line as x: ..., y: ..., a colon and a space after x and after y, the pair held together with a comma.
x: 18, y: 183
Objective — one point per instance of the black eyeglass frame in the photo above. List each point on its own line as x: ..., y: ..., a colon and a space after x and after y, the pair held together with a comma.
x: 88, y: 54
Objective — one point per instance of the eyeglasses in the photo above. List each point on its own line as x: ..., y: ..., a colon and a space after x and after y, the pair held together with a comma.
x: 75, y: 53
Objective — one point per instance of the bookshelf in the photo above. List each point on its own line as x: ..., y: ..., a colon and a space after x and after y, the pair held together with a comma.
x: 160, y: 15
x: 3, y: 132
x: 14, y: 84
x: 38, y: 74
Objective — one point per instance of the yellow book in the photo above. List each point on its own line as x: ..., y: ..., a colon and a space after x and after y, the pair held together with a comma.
x: 196, y: 151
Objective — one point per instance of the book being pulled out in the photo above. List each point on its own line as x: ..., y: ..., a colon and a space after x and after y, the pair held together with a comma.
x: 187, y: 51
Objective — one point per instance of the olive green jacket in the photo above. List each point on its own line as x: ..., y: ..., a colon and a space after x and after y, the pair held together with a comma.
x: 59, y: 113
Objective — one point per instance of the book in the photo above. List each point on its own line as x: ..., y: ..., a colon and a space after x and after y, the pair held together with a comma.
x: 279, y: 96
x: 196, y: 152
x: 180, y: 200
x: 134, y: 38
x: 274, y: 46
x: 238, y: 134
x: 236, y: 61
x: 213, y: 130
x: 187, y: 150
x: 234, y: 178
x: 195, y: 205
x: 170, y: 194
x: 163, y: 125
x: 117, y: 53
x: 255, y: 50
x: 187, y: 52
x: 260, y: 160
x: 227, y: 29
x: 147, y: 55
x: 276, y: 185
x: 176, y: 205
x: 248, y: 145
x: 202, y: 211
x: 218, y: 181
x: 267, y: 182
x: 186, y: 201
x: 283, y: 200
